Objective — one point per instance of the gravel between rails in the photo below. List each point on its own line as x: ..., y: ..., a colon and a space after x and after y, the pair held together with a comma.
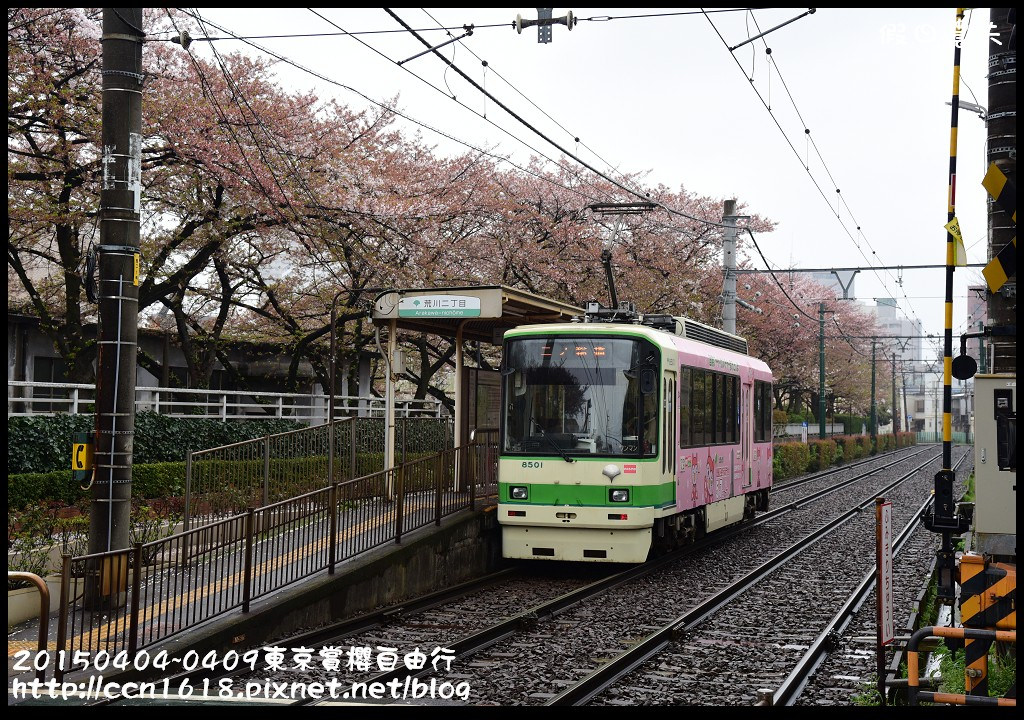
x: 540, y: 663
x: 851, y: 668
x: 757, y: 640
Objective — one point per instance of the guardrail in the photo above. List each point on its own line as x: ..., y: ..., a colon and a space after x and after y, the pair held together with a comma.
x: 227, y: 480
x: 44, y: 613
x: 915, y: 694
x: 38, y: 398
x: 124, y: 601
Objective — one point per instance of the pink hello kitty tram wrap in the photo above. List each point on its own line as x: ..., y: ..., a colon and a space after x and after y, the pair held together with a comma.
x: 617, y: 437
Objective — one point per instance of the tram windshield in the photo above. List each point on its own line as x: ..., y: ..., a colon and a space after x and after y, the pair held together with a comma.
x: 580, y: 396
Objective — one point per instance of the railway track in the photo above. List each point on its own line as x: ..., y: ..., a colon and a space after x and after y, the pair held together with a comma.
x: 452, y: 618
x: 841, y: 668
x: 721, y: 634
x: 511, y: 641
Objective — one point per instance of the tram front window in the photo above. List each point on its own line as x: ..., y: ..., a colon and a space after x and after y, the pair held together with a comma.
x: 580, y: 396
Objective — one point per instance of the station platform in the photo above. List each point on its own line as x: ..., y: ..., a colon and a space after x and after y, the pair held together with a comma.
x: 466, y: 545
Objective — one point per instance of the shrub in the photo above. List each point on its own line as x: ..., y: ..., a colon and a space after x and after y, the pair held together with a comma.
x: 790, y: 460
x: 156, y: 480
x: 906, y: 439
x: 886, y: 443
x: 865, y: 444
x: 42, y: 444
x: 852, y: 448
x: 822, y: 454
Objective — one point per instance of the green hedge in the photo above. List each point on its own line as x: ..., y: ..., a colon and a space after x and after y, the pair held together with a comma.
x: 794, y: 458
x: 288, y: 477
x: 155, y: 480
x: 790, y: 459
x: 822, y: 454
x: 42, y: 444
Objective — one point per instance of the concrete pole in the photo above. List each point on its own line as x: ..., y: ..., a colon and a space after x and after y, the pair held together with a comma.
x: 118, y: 291
x: 728, y: 268
x: 895, y: 410
x: 873, y: 426
x: 821, y: 370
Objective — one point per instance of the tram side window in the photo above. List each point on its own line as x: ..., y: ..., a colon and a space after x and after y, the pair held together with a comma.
x: 762, y: 411
x: 697, y: 406
x: 758, y: 412
x: 684, y: 407
x: 730, y: 410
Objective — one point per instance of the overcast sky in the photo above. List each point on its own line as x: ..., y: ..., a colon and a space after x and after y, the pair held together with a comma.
x: 665, y: 95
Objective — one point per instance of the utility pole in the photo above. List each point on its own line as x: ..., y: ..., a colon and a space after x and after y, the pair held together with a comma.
x: 821, y: 370
x: 906, y: 408
x: 873, y: 426
x: 729, y: 218
x: 895, y: 412
x: 118, y: 288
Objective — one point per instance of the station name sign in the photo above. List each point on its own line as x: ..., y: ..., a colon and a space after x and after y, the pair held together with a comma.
x: 439, y: 306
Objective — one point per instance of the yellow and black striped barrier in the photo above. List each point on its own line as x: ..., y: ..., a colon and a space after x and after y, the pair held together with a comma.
x: 988, y: 599
x: 967, y: 634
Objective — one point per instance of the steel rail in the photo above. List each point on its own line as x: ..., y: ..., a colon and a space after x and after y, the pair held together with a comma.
x: 790, y: 689
x: 605, y: 675
x: 790, y: 484
x: 472, y: 644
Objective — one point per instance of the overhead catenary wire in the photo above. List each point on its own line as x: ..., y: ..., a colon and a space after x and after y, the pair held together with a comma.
x: 490, y: 67
x: 392, y: 109
x: 642, y: 196
x: 476, y: 26
x: 797, y: 154
x: 458, y: 102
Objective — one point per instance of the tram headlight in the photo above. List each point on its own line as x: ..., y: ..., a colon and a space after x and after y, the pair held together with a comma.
x: 519, y: 492
x: 618, y: 495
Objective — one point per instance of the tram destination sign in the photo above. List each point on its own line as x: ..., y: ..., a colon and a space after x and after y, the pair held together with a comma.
x: 439, y: 306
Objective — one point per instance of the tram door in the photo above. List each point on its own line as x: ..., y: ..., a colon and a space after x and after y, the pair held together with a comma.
x: 668, y: 462
x: 746, y: 428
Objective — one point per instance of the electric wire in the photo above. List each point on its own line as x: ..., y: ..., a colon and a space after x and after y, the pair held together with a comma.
x: 795, y: 152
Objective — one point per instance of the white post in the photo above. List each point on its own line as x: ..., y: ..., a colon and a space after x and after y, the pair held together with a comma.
x: 74, y: 401
x: 224, y: 406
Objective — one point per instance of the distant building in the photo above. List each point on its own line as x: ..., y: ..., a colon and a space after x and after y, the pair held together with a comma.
x: 977, y: 316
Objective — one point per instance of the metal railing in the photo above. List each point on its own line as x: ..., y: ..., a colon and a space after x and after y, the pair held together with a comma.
x: 127, y: 600
x: 44, y: 613
x: 39, y: 398
x: 915, y: 694
x: 227, y: 480
x: 936, y: 437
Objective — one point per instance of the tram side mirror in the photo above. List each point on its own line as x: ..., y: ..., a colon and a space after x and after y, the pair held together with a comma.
x: 648, y: 381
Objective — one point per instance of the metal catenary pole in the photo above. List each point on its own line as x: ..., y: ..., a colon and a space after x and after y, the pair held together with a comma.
x: 896, y: 424
x: 873, y: 427
x: 944, y: 518
x: 118, y: 287
x: 821, y: 370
